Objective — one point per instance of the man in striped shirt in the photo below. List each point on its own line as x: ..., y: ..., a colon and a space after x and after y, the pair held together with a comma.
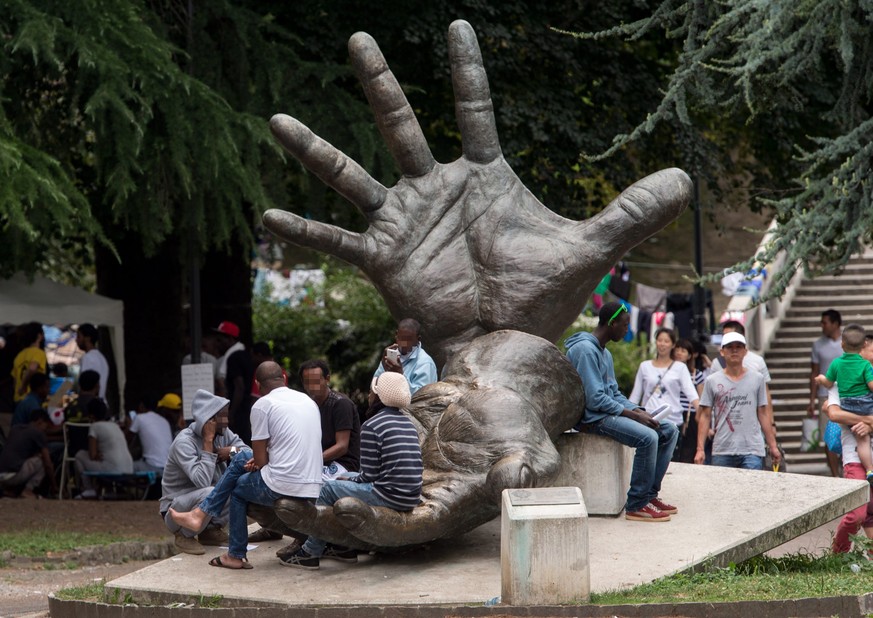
x: 390, y: 474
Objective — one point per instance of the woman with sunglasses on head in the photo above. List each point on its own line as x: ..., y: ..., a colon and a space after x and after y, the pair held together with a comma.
x: 662, y: 381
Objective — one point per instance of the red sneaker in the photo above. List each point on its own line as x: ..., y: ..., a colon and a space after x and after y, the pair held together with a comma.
x: 663, y: 506
x: 648, y: 513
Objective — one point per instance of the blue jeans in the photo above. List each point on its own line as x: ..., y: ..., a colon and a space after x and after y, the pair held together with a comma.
x: 332, y: 491
x: 745, y: 462
x: 861, y: 405
x: 654, y: 449
x: 241, y: 488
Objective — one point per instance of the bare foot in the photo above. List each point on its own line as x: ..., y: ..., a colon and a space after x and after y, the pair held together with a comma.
x: 192, y: 520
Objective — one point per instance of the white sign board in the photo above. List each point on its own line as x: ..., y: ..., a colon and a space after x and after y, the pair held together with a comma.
x: 195, y: 377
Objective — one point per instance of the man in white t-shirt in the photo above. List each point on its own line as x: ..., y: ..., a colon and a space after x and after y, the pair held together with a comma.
x: 853, y: 427
x: 287, y: 423
x: 155, y: 436
x: 824, y: 350
x: 86, y: 339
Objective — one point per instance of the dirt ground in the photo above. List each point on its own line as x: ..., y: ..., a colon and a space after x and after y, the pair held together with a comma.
x: 126, y: 519
x: 24, y: 591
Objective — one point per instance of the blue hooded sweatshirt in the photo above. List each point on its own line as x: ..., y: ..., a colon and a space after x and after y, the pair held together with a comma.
x: 595, y: 367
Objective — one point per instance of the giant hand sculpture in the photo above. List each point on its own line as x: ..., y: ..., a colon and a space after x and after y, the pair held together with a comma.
x: 464, y: 247
x: 488, y: 426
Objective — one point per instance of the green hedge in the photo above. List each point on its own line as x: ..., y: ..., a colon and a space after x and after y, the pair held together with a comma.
x: 344, y: 322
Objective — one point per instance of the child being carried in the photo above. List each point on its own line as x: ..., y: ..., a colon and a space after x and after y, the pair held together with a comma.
x: 854, y: 378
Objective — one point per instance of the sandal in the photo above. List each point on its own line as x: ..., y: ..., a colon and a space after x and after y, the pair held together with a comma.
x: 216, y: 562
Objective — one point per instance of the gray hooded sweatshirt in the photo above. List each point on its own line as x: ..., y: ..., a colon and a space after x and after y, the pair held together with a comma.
x: 189, y: 467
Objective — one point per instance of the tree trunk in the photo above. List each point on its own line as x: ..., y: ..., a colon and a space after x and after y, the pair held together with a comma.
x: 226, y: 290
x: 154, y: 322
x: 156, y: 316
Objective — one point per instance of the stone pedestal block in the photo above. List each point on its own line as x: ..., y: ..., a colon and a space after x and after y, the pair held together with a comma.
x: 544, y: 547
x: 600, y: 467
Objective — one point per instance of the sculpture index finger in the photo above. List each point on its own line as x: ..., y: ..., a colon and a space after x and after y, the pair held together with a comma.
x: 347, y: 246
x: 333, y: 167
x: 473, y: 106
x: 394, y: 115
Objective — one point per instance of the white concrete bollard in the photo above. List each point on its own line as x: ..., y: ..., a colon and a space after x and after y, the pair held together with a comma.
x: 600, y: 467
x: 544, y: 547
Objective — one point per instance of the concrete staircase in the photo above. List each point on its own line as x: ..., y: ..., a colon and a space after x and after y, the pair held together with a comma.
x: 850, y: 293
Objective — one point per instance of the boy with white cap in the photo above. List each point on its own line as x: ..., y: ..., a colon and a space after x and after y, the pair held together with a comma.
x: 738, y: 399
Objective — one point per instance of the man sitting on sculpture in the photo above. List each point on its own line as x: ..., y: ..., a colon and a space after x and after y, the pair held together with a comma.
x: 406, y: 356
x: 284, y: 462
x: 340, y: 431
x: 609, y: 413
x: 391, y: 470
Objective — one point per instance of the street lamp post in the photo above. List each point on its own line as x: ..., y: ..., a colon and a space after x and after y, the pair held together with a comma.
x: 700, y: 331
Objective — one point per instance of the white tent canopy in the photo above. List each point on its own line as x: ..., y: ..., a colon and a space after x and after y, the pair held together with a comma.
x: 48, y: 302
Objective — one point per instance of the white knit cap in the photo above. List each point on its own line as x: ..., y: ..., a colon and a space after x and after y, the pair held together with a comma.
x: 392, y: 389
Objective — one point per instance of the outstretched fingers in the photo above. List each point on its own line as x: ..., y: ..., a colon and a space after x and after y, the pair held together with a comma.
x: 347, y: 246
x: 394, y: 116
x: 333, y: 167
x: 385, y: 527
x: 316, y: 521
x: 473, y: 107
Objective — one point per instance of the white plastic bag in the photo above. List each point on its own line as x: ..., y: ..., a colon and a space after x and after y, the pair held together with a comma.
x: 810, y: 435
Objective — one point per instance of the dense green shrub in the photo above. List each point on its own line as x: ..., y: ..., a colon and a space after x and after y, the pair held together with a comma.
x: 344, y: 322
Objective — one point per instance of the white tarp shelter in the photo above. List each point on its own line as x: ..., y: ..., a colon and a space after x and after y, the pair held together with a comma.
x: 49, y: 302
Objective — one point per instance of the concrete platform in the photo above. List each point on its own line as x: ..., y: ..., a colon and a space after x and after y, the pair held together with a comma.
x: 724, y: 516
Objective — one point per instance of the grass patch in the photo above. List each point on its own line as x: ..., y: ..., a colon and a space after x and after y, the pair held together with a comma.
x: 88, y: 592
x: 96, y: 592
x: 34, y: 544
x: 759, y: 579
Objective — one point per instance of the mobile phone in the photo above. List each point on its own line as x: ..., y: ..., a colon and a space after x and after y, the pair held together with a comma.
x: 393, y: 355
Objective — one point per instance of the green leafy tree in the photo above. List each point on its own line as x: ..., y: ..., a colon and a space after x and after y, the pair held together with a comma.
x: 139, y: 129
x: 792, y: 84
x: 135, y: 130
x: 343, y: 321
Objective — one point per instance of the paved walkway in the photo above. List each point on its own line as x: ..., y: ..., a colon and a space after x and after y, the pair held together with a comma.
x: 725, y: 516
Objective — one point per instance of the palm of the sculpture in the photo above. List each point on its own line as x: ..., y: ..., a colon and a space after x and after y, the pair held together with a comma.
x: 469, y: 250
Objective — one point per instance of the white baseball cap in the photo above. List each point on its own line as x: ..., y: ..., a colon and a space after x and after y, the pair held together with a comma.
x: 732, y: 338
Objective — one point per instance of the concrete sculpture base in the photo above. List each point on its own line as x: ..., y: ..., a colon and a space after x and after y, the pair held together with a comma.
x: 600, y: 467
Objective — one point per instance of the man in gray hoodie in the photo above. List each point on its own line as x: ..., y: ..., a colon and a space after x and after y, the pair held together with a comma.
x: 609, y: 413
x: 198, y: 457
x: 285, y: 461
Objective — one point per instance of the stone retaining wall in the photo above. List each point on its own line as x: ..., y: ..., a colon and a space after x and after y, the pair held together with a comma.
x: 114, y: 553
x: 844, y: 607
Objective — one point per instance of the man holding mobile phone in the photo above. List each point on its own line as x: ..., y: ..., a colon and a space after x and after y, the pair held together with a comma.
x: 406, y: 356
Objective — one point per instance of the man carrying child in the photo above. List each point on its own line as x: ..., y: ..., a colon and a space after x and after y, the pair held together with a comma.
x: 854, y: 379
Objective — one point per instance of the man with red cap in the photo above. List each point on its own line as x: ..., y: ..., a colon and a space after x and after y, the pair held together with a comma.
x: 235, y: 374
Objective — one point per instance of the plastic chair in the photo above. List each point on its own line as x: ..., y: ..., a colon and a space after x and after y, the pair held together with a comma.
x: 69, y: 458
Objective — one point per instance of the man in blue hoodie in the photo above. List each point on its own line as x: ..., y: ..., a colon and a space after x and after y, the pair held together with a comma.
x: 609, y: 413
